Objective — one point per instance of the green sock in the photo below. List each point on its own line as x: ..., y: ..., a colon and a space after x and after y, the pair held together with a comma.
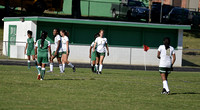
x: 29, y: 64
x: 39, y: 69
x: 42, y: 73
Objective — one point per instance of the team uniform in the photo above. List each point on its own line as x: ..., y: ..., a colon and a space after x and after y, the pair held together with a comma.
x: 64, y: 41
x: 165, y: 59
x: 100, y: 43
x: 93, y: 55
x: 56, y: 39
x: 30, y: 49
x: 165, y: 64
x: 42, y: 55
x: 100, y: 51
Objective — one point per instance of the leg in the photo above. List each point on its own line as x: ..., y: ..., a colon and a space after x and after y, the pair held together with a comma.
x: 70, y: 64
x: 97, y: 63
x: 60, y: 64
x: 165, y: 83
x: 29, y: 62
x: 101, y: 64
x: 43, y: 71
x: 51, y: 63
x: 63, y: 61
x: 33, y: 57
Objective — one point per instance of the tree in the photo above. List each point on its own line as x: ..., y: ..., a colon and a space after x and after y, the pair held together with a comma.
x: 76, y: 8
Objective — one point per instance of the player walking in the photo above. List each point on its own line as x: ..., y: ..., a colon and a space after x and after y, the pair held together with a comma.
x: 101, y: 44
x: 42, y: 48
x: 29, y: 49
x: 65, y: 49
x: 92, y: 55
x: 167, y: 58
x: 57, y: 51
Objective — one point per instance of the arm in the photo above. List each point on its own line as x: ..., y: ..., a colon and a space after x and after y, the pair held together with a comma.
x: 36, y: 52
x: 49, y: 49
x: 174, y: 59
x: 90, y: 51
x: 158, y: 55
x: 107, y: 49
x: 25, y: 48
x: 57, y: 47
x: 67, y: 44
x: 94, y: 46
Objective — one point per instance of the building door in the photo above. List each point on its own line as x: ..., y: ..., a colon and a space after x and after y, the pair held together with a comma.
x: 11, y: 36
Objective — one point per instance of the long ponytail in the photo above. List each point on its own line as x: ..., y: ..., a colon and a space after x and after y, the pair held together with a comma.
x: 43, y: 37
x: 166, y: 42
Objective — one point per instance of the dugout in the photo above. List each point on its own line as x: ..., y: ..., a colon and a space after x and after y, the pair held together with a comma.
x: 125, y: 39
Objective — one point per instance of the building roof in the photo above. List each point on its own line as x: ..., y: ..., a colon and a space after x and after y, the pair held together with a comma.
x: 98, y: 22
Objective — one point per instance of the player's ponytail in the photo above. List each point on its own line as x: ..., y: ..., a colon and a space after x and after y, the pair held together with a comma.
x: 166, y: 42
x: 43, y: 37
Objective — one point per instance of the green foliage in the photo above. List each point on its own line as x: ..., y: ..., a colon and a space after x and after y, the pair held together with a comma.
x: 83, y: 90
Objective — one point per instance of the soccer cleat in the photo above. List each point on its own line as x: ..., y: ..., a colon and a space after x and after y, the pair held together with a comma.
x: 164, y: 91
x: 41, y: 79
x: 168, y: 93
x: 100, y: 72
x: 38, y: 77
x: 74, y: 69
x: 49, y: 71
x: 61, y: 72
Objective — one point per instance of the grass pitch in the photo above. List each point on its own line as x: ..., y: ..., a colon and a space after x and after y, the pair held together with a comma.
x: 83, y: 90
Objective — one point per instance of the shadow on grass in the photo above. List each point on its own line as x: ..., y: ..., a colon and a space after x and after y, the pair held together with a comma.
x: 184, y: 93
x: 75, y: 79
x: 187, y: 63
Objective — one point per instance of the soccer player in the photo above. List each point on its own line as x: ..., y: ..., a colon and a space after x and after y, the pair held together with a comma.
x: 66, y: 51
x: 92, y: 55
x: 29, y: 49
x: 57, y: 52
x: 42, y: 48
x: 167, y: 58
x: 101, y: 44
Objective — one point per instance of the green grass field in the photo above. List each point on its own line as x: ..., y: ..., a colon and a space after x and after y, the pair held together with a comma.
x: 83, y: 90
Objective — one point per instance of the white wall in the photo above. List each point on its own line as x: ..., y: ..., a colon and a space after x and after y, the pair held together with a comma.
x: 21, y: 37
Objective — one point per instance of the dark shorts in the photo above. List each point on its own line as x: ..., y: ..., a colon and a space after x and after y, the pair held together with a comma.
x: 100, y: 54
x: 164, y: 70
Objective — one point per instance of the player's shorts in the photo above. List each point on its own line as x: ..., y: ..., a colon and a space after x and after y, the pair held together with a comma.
x: 100, y: 54
x: 30, y: 52
x: 59, y: 54
x: 64, y: 52
x: 93, y: 56
x: 164, y: 70
x: 43, y: 60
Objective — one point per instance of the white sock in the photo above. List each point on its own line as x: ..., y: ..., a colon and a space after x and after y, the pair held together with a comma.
x: 70, y: 64
x: 96, y: 66
x: 61, y: 67
x: 165, y: 84
x: 100, y: 67
x: 51, y: 66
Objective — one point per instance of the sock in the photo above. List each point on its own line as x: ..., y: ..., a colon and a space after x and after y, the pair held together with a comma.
x: 165, y: 84
x: 96, y: 66
x: 39, y: 70
x: 70, y: 64
x: 29, y: 64
x: 61, y: 67
x: 35, y: 62
x: 51, y: 66
x: 42, y: 73
x: 100, y: 67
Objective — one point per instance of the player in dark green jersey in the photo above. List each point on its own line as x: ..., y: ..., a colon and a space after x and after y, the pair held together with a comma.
x: 42, y: 48
x: 29, y: 49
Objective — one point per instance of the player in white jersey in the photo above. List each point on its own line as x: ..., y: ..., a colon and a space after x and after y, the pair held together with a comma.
x: 57, y: 51
x: 167, y: 58
x: 65, y: 49
x: 101, y: 44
